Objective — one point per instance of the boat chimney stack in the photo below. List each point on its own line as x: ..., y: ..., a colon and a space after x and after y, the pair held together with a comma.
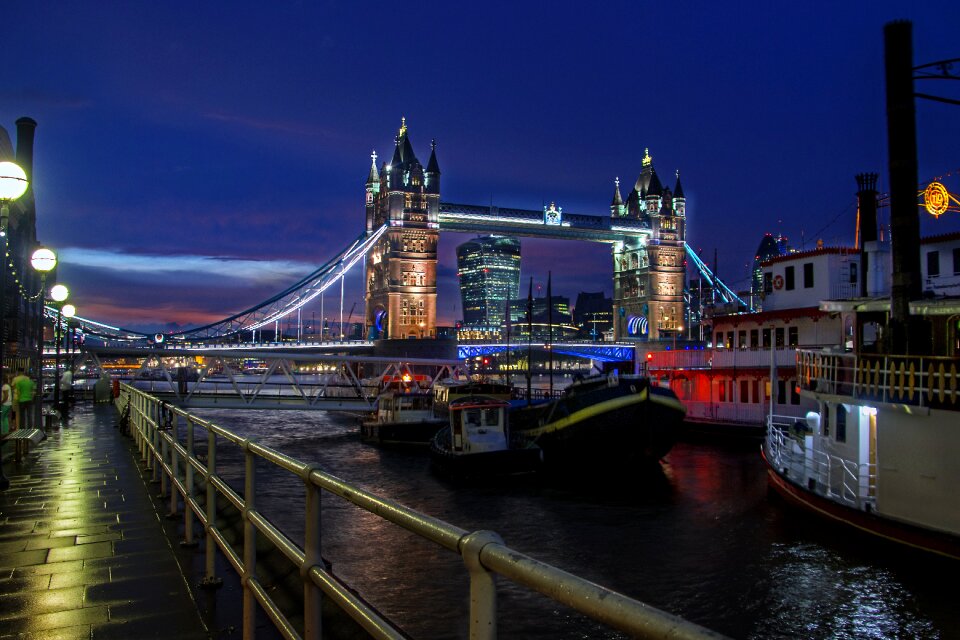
x: 906, y: 333
x: 867, y: 222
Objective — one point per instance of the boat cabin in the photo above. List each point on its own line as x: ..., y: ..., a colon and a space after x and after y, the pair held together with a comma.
x: 478, y: 424
x: 396, y: 406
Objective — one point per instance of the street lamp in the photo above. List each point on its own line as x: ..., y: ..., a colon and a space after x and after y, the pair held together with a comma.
x: 68, y: 312
x: 59, y: 293
x: 43, y: 262
x: 13, y: 184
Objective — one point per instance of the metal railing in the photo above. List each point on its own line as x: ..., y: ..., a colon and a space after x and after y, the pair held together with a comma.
x: 925, y: 381
x: 846, y: 481
x: 179, y: 470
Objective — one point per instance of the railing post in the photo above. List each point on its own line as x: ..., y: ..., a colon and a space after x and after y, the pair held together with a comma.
x: 171, y: 441
x: 155, y: 441
x: 249, y: 544
x: 210, y: 579
x: 188, y: 489
x: 163, y: 458
x: 483, y: 588
x: 312, y: 595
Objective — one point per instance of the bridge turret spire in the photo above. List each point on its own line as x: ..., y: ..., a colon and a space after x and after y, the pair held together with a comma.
x: 433, y: 170
x: 374, y: 176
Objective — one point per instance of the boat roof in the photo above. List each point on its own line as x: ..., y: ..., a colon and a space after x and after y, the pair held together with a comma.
x: 474, y: 402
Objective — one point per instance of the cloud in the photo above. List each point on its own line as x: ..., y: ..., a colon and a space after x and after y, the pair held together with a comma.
x: 293, y: 128
x: 241, y: 272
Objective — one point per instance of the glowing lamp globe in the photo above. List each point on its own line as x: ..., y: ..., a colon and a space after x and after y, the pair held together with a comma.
x: 13, y: 181
x: 43, y: 260
x: 59, y: 293
x: 69, y: 311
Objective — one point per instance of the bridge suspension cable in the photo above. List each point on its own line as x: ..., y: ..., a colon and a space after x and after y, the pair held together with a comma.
x: 267, y: 312
x: 290, y: 299
x: 725, y: 293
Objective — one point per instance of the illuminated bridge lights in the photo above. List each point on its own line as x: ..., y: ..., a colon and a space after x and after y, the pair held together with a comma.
x: 602, y: 352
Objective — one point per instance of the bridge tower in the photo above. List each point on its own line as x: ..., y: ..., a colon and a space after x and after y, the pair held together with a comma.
x: 649, y: 275
x: 401, y: 269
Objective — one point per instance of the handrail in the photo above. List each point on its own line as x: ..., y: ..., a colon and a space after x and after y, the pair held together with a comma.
x: 924, y: 381
x: 175, y: 465
x: 819, y: 465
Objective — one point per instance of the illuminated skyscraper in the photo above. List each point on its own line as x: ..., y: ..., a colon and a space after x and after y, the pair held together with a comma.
x: 489, y: 272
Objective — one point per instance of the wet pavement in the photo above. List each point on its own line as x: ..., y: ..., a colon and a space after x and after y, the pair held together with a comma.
x: 84, y: 552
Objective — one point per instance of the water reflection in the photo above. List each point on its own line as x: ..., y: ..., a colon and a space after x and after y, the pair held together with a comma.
x: 698, y: 537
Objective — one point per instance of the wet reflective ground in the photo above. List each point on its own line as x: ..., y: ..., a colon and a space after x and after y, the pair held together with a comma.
x: 700, y: 537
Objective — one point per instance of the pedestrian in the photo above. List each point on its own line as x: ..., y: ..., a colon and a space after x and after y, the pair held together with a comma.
x: 23, y: 391
x: 7, y: 405
x: 66, y: 387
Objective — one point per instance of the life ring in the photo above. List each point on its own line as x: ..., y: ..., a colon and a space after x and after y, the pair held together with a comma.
x: 778, y: 282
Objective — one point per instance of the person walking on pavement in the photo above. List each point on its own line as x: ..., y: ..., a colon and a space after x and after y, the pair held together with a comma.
x: 6, y: 406
x: 23, y: 390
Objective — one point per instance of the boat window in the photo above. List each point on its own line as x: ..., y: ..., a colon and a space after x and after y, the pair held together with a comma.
x: 472, y: 418
x: 826, y: 419
x: 841, y: 423
x: 491, y: 417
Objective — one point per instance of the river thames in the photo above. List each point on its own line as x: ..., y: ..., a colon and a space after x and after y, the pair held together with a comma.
x: 700, y: 537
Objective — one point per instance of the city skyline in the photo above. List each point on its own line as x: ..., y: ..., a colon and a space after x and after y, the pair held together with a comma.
x: 185, y: 170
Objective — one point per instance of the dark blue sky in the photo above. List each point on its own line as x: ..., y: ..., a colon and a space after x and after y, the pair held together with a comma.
x: 194, y: 158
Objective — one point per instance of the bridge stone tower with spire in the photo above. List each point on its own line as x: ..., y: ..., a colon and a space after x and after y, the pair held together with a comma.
x: 401, y: 269
x: 648, y: 276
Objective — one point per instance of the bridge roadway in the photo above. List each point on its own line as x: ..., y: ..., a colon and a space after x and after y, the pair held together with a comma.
x: 84, y: 552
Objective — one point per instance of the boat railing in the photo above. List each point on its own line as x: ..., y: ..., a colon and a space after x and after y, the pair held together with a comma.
x: 924, y: 381
x: 171, y: 443
x: 790, y: 450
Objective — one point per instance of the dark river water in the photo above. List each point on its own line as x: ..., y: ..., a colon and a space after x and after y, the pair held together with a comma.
x: 701, y: 538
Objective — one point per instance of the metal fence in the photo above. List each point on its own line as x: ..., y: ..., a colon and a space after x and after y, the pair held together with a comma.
x: 180, y: 471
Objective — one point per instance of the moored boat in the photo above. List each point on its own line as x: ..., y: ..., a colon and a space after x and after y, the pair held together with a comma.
x: 402, y: 418
x: 477, y: 441
x: 602, y: 422
x: 880, y: 454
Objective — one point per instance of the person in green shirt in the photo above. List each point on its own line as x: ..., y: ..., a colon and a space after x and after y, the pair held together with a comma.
x: 23, y: 390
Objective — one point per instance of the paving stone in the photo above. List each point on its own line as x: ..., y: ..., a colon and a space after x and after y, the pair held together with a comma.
x: 81, y: 552
x: 83, y: 577
x: 71, y: 502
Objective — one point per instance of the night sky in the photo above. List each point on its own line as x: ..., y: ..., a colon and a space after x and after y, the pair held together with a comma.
x: 192, y: 159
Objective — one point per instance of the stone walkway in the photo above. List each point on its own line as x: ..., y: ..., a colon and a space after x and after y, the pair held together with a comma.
x: 83, y: 552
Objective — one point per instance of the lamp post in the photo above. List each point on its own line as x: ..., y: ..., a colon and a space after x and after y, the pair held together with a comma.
x: 13, y: 184
x: 68, y: 311
x: 59, y: 293
x: 43, y: 262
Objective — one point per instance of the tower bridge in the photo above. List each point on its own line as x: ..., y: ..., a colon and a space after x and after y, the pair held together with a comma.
x: 398, y: 250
